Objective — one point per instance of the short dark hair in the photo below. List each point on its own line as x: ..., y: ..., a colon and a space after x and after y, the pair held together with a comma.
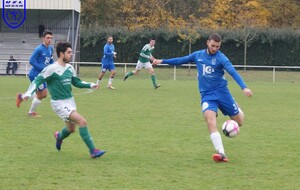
x: 215, y: 37
x: 62, y: 47
x: 47, y: 32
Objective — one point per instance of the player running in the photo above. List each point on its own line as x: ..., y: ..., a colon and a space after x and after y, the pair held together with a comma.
x: 59, y: 77
x: 41, y: 57
x: 144, y: 61
x: 211, y: 63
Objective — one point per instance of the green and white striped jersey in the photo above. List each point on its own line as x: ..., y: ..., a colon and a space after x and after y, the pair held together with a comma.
x: 59, y: 79
x: 146, y: 53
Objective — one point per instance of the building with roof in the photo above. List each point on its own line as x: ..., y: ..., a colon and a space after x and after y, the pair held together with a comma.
x: 60, y: 16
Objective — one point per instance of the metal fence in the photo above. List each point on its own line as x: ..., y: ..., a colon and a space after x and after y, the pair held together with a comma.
x: 184, y: 72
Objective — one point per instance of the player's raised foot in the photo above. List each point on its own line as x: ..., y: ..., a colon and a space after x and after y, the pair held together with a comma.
x: 219, y: 157
x: 18, y: 99
x: 157, y: 86
x: 97, y: 153
x: 33, y: 115
x: 125, y: 78
x: 111, y: 87
x: 58, y: 141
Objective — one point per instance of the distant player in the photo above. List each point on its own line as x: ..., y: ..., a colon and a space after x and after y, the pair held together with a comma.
x: 59, y: 77
x: 41, y: 58
x: 211, y: 63
x: 144, y: 61
x: 108, y: 62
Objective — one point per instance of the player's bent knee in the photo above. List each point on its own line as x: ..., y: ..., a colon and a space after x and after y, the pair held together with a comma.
x: 71, y: 127
x: 82, y: 122
x: 238, y: 118
x: 241, y: 118
x: 72, y: 130
x: 240, y: 121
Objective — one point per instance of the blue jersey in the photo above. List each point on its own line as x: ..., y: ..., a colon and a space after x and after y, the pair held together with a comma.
x: 108, y: 54
x: 210, y: 69
x: 41, y: 57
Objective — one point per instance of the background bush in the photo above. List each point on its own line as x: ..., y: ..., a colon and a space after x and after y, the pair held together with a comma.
x: 270, y: 47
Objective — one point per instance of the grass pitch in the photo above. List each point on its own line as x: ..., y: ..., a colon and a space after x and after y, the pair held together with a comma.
x: 155, y: 139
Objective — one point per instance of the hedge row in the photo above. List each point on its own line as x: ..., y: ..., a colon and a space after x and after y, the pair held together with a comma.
x: 268, y: 47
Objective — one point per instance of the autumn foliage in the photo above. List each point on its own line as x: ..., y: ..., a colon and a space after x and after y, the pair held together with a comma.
x: 177, y: 14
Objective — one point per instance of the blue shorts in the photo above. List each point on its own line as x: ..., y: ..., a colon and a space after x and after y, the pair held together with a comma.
x: 110, y: 67
x: 221, y: 99
x: 41, y: 87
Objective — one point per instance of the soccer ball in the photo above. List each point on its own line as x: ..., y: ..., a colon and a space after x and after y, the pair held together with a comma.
x: 230, y: 128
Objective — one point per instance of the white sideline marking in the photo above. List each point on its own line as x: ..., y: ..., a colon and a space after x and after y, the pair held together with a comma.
x: 87, y: 91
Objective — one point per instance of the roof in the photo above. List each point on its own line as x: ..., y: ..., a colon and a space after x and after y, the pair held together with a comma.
x: 51, y: 4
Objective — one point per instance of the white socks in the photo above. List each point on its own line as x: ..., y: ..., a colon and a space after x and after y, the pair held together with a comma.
x: 35, y: 103
x: 217, y: 142
x: 110, y: 81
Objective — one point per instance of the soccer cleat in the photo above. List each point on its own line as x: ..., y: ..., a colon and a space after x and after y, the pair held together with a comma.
x: 33, y: 114
x: 18, y: 99
x: 157, y: 86
x: 111, y: 87
x: 219, y: 157
x: 97, y: 153
x: 58, y: 141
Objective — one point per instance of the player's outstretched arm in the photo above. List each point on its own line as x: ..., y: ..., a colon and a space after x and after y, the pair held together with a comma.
x: 94, y: 86
x: 247, y: 92
x: 152, y: 58
x: 157, y: 61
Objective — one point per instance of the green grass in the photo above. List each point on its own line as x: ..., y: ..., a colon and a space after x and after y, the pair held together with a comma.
x: 155, y: 139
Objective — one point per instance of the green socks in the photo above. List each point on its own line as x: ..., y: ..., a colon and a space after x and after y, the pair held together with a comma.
x: 86, y: 137
x: 64, y: 133
x: 153, y: 80
x: 129, y: 74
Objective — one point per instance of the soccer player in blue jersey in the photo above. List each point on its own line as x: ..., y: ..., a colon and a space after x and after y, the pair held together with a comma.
x: 41, y: 58
x: 108, y: 62
x: 60, y: 77
x: 211, y: 63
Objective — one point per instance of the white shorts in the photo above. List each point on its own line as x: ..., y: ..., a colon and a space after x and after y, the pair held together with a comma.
x: 63, y: 108
x: 140, y: 65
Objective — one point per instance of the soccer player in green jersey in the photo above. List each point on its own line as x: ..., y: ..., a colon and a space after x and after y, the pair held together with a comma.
x: 144, y: 61
x: 59, y: 77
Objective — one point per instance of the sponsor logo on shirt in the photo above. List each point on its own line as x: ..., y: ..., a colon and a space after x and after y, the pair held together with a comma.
x: 207, y: 70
